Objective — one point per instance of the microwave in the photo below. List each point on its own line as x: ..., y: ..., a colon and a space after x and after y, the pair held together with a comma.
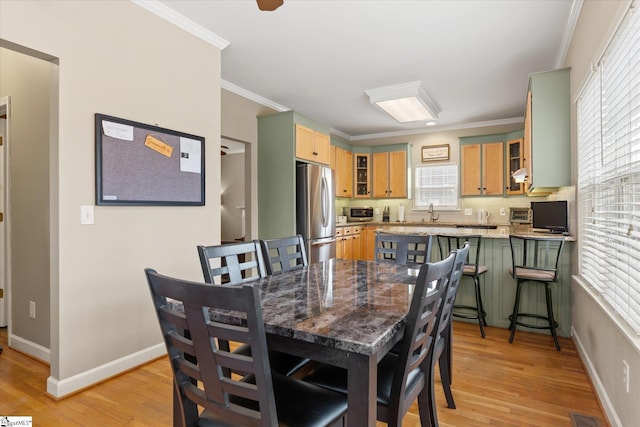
x: 360, y: 214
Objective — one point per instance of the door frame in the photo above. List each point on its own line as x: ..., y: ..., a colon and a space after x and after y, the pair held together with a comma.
x: 5, y: 228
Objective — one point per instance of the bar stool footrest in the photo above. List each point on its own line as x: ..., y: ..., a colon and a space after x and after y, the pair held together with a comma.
x: 534, y: 316
x: 467, y: 315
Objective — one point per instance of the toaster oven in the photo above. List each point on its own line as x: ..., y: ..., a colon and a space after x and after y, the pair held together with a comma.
x: 360, y: 214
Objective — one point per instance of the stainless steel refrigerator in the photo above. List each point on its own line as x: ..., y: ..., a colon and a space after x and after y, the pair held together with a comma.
x: 315, y: 213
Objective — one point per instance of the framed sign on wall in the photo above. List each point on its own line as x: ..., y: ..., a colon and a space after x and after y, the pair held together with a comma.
x: 432, y: 153
x: 140, y: 164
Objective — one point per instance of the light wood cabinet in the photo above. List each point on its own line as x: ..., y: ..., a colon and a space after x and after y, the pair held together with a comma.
x: 362, y: 175
x: 344, y: 173
x: 390, y: 174
x: 312, y: 145
x: 348, y: 242
x: 482, y: 169
x: 367, y: 242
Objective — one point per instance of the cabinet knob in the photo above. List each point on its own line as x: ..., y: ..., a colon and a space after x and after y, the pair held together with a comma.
x: 484, y: 188
x: 478, y: 188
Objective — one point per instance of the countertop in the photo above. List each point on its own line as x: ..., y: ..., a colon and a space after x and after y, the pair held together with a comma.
x: 500, y: 232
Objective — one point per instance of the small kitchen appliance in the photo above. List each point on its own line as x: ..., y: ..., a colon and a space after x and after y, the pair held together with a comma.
x: 483, y: 216
x: 520, y: 215
x: 360, y: 214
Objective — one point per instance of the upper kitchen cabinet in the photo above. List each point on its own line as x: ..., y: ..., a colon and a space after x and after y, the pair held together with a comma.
x: 548, y: 131
x: 390, y: 171
x: 481, y: 166
x: 344, y: 173
x: 277, y: 153
x: 312, y: 145
x: 518, y: 156
x: 362, y: 175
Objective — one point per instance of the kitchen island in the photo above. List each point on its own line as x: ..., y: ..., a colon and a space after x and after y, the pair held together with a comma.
x: 497, y: 286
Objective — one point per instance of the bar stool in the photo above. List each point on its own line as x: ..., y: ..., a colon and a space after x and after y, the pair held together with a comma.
x: 535, y: 260
x: 472, y: 268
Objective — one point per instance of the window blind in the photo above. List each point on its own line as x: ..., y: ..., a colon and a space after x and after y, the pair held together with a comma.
x: 609, y: 174
x: 437, y: 185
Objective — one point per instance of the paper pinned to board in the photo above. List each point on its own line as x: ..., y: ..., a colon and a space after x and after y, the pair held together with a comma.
x: 190, y: 155
x: 158, y: 145
x: 117, y: 130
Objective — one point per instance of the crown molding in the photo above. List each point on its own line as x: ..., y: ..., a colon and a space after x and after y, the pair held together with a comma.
x: 180, y: 21
x: 574, y: 14
x: 436, y: 129
x: 252, y: 96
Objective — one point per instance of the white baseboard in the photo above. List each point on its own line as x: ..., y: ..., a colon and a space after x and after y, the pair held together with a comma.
x: 60, y: 388
x: 30, y: 348
x: 597, y: 383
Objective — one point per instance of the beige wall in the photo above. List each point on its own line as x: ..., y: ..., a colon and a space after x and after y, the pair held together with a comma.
x: 119, y: 59
x: 28, y: 80
x: 239, y: 122
x: 602, y: 339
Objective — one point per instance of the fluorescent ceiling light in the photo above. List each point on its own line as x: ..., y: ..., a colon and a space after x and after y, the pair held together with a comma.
x: 406, y: 102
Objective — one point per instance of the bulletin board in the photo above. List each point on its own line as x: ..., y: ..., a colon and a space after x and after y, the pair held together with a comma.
x: 139, y: 164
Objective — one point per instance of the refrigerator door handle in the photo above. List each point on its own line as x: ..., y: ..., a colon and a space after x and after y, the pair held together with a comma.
x: 325, y: 205
x: 323, y: 241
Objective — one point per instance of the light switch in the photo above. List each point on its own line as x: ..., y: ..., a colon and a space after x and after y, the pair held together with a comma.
x: 86, y: 215
x: 468, y: 211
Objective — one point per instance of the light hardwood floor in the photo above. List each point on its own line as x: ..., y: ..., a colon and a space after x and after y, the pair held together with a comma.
x: 495, y: 383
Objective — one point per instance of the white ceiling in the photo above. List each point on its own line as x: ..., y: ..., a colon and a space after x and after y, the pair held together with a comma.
x: 318, y: 57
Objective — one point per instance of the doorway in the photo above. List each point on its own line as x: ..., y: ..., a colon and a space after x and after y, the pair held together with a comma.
x: 233, y: 217
x: 4, y: 247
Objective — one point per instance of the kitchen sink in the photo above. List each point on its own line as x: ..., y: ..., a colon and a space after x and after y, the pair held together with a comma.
x: 483, y: 226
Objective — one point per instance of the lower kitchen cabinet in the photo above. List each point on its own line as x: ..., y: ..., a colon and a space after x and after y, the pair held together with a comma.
x: 348, y: 242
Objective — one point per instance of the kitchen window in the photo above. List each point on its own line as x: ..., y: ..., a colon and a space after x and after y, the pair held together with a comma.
x: 437, y: 185
x: 609, y: 174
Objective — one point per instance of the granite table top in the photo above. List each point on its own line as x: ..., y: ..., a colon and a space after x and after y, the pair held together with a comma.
x: 352, y: 306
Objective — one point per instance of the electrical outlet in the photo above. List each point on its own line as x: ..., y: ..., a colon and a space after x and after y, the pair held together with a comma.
x: 625, y: 375
x: 503, y: 212
x: 468, y: 211
x: 32, y: 309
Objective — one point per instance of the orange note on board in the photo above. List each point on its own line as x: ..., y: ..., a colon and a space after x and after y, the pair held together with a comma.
x: 156, y: 145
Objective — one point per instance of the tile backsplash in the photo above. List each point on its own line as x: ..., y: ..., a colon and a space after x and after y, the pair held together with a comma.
x: 493, y: 204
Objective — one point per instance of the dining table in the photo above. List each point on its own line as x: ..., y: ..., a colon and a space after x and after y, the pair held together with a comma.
x: 346, y: 313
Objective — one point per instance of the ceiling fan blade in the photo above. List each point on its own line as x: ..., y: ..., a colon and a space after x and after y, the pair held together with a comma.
x: 269, y: 5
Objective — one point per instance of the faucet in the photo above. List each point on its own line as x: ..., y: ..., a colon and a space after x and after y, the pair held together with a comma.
x: 433, y: 218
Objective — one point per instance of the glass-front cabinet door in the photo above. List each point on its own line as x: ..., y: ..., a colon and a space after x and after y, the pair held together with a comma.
x: 515, y: 161
x: 362, y: 175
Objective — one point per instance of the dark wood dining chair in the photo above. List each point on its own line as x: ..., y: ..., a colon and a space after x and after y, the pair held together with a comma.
x: 473, y: 269
x: 443, y: 335
x: 284, y: 254
x: 206, y: 394
x: 402, y: 376
x: 240, y: 263
x: 535, y: 260
x: 406, y: 249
